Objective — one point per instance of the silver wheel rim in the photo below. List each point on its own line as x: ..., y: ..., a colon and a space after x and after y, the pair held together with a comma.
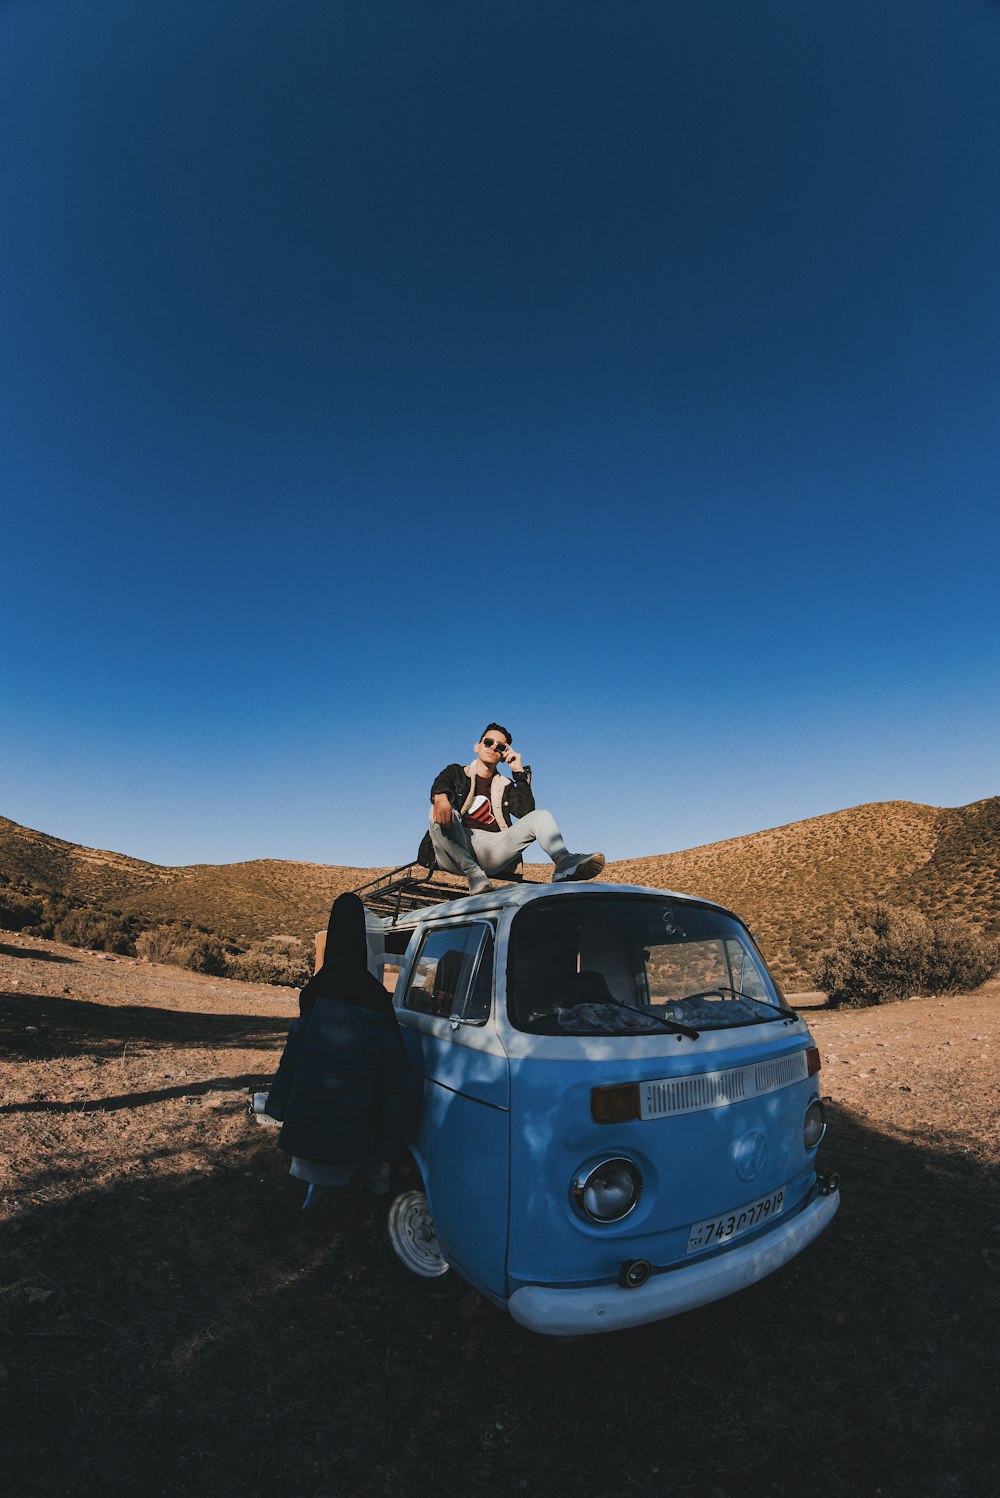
x: 412, y: 1235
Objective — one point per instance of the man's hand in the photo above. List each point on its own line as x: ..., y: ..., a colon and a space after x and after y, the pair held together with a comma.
x: 442, y: 810
x: 514, y: 759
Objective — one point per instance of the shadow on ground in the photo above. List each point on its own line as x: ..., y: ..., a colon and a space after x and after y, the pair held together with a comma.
x: 33, y: 1024
x: 202, y: 1336
x: 40, y: 954
x: 127, y: 1100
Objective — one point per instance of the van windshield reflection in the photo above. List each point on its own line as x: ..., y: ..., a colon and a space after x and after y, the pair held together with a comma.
x: 634, y: 964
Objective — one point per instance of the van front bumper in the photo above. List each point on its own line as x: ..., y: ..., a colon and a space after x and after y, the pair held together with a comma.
x: 608, y: 1308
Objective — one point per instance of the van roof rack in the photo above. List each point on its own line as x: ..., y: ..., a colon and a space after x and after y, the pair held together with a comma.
x: 412, y: 886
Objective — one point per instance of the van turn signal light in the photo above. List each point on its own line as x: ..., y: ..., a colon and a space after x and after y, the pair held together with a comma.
x: 615, y: 1104
x: 812, y: 1060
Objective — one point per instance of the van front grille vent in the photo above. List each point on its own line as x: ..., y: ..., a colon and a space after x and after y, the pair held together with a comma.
x: 667, y: 1097
x: 771, y: 1075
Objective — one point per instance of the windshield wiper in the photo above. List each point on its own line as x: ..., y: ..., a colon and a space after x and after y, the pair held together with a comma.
x: 668, y: 1024
x: 723, y: 988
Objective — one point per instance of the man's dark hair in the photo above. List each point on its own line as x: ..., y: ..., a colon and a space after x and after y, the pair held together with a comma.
x: 499, y: 728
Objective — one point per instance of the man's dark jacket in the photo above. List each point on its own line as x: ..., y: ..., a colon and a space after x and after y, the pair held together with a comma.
x: 343, y: 1087
x: 455, y: 782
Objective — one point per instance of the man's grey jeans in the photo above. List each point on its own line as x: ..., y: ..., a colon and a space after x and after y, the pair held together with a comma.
x: 459, y: 851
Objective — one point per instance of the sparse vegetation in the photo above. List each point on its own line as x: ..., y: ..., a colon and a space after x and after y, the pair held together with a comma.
x: 273, y: 962
x: 208, y: 955
x: 164, y: 944
x: 18, y: 912
x: 880, y: 954
x: 183, y: 948
x: 280, y: 960
x: 240, y: 904
x: 961, y: 959
x: 173, y: 1324
x: 791, y: 883
x: 98, y: 931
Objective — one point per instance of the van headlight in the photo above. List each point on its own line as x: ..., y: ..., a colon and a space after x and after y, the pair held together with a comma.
x: 814, y: 1124
x: 607, y: 1192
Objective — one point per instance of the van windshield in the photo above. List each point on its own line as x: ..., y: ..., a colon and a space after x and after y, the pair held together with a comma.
x: 624, y: 964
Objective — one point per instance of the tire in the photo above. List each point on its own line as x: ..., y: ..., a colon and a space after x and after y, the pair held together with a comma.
x: 408, y: 1240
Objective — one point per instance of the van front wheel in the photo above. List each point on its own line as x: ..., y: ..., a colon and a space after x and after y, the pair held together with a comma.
x: 410, y: 1243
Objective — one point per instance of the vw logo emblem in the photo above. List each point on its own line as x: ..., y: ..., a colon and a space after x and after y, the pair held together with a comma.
x: 749, y: 1155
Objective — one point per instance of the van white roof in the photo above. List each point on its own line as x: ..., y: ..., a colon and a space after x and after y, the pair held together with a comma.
x: 514, y: 895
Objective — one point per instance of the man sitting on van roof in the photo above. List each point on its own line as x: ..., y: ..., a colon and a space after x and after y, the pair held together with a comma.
x: 471, y: 827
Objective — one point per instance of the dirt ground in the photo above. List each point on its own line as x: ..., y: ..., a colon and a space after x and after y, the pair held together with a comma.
x: 171, y: 1323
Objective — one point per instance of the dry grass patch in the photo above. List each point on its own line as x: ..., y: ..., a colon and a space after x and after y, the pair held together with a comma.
x: 171, y: 1324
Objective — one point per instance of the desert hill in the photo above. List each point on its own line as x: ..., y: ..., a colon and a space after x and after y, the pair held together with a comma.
x: 244, y: 901
x: 790, y: 883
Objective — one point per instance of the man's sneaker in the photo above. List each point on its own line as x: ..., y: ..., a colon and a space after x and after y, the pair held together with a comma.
x: 578, y: 866
x: 483, y: 886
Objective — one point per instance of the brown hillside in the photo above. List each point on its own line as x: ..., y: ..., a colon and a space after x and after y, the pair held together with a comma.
x: 67, y: 869
x: 252, y: 900
x: 790, y: 883
x: 239, y: 900
x: 962, y: 874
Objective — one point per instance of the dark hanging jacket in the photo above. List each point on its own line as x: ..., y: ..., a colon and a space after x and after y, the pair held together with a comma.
x: 343, y: 1088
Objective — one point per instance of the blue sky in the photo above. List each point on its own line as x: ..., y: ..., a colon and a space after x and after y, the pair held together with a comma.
x: 628, y: 374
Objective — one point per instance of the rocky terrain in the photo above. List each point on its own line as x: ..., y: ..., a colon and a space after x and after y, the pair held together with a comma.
x: 172, y: 1324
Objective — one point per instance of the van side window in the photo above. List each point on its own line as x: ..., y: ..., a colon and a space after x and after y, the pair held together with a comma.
x: 746, y: 974
x: 441, y: 976
x: 397, y: 939
x: 480, y: 1001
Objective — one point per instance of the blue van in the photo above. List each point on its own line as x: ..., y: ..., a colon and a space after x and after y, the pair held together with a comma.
x: 621, y: 1112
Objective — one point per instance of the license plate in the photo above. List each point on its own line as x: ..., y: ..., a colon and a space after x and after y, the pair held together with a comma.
x: 716, y: 1230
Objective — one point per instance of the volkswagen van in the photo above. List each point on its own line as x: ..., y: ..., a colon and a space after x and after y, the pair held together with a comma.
x: 621, y: 1113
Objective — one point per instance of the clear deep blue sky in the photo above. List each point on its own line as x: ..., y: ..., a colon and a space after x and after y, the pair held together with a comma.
x: 628, y: 373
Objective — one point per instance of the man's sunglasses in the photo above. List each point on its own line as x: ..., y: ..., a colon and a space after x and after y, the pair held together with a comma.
x: 497, y: 744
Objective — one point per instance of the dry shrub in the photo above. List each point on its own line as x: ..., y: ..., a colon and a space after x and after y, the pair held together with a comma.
x: 164, y: 944
x: 269, y: 965
x: 881, y: 954
x: 18, y: 913
x: 960, y: 959
x: 207, y: 955
x: 183, y: 948
x: 272, y: 962
x: 99, y: 932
